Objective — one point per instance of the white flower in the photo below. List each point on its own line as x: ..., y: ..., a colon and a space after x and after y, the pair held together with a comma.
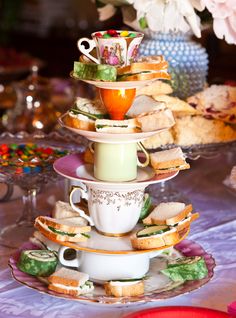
x: 106, y: 12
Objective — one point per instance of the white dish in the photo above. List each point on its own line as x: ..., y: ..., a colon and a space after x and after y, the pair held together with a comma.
x: 102, y: 244
x: 74, y: 168
x: 111, y: 138
x: 115, y: 85
x: 156, y: 287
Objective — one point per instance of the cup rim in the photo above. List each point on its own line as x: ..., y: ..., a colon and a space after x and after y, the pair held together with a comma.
x: 138, y: 35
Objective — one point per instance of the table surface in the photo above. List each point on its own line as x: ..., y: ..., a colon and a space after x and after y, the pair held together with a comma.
x: 215, y: 230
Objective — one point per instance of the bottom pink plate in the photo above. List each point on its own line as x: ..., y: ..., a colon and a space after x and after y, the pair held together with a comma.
x: 152, y: 292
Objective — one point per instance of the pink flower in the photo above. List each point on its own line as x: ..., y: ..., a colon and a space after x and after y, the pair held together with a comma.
x: 224, y: 18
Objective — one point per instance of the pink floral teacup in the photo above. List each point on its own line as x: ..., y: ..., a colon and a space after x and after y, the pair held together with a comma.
x: 116, y: 51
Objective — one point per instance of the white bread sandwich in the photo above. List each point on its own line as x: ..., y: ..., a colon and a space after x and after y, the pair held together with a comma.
x: 63, y: 210
x: 154, y: 120
x: 124, y: 287
x: 43, y: 242
x: 156, y: 236
x: 70, y: 282
x: 168, y: 160
x: 60, y: 230
x: 84, y: 113
x: 144, y: 104
x: 152, y: 67
x: 126, y: 126
x: 172, y: 214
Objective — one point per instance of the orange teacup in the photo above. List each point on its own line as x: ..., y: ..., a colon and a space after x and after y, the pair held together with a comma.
x: 117, y: 101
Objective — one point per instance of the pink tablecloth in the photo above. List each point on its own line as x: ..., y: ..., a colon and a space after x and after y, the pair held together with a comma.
x: 215, y: 230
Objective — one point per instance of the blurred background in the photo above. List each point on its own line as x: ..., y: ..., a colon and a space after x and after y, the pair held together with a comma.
x: 45, y: 33
x: 49, y: 31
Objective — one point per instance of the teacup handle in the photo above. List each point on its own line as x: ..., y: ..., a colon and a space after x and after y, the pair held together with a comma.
x: 85, y: 51
x: 84, y: 195
x: 146, y: 162
x: 71, y: 263
x: 91, y: 146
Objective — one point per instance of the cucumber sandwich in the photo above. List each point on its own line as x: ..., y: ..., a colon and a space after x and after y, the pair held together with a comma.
x: 84, y: 113
x: 71, y: 282
x: 164, y: 226
x: 168, y: 160
x: 62, y: 229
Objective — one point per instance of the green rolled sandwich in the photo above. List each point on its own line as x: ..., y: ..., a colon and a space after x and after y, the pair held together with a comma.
x: 38, y: 262
x: 186, y: 268
x: 96, y: 72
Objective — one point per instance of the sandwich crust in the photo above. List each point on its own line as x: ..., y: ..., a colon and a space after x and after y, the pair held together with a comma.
x: 174, y: 169
x: 55, y: 237
x: 121, y: 291
x: 152, y: 219
x: 72, y: 292
x: 142, y: 67
x: 166, y: 239
x: 146, y: 76
x: 78, y: 123
x: 58, y: 225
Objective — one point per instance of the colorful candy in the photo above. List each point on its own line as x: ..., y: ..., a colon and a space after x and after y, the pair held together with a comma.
x: 28, y: 158
x: 114, y: 34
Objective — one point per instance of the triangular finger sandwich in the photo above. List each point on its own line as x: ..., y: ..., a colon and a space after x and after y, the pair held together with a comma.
x: 173, y: 214
x: 168, y: 160
x: 62, y: 229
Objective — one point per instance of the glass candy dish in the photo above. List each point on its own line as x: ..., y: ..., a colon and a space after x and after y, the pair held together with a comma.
x: 30, y: 172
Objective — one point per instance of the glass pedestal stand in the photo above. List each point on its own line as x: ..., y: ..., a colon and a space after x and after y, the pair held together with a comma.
x: 166, y: 192
x: 31, y: 181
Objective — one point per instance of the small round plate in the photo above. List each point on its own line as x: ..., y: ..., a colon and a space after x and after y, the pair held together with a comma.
x: 156, y: 287
x: 74, y: 168
x: 115, y: 85
x: 108, y: 137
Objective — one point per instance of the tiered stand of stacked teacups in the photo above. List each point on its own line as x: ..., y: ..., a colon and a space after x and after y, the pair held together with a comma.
x: 114, y: 198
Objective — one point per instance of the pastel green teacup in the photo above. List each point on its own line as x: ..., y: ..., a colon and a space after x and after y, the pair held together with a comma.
x: 117, y: 162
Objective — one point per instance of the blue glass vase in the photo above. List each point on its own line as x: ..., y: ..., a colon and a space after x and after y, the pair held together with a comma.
x: 188, y: 60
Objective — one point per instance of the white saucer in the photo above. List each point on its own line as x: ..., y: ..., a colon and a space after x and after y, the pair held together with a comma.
x: 98, y: 243
x: 115, y: 85
x: 74, y: 168
x: 111, y: 138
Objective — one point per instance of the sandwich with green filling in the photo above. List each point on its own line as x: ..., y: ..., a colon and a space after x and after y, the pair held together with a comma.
x: 164, y: 226
x: 84, y: 113
x: 59, y: 230
x: 70, y: 282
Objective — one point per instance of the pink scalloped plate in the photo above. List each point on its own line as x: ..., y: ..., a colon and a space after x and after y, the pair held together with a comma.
x: 152, y: 293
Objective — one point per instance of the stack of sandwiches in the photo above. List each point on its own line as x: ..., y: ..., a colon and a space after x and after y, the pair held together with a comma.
x: 147, y: 68
x: 66, y: 225
x: 92, y: 116
x: 164, y: 226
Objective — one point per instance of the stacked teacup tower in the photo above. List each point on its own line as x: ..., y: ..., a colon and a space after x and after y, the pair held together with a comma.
x: 116, y: 180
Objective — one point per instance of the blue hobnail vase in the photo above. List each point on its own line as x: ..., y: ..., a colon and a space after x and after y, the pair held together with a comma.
x: 188, y: 60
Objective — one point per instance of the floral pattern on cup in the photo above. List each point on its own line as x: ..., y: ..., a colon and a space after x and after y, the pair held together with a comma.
x: 116, y: 51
